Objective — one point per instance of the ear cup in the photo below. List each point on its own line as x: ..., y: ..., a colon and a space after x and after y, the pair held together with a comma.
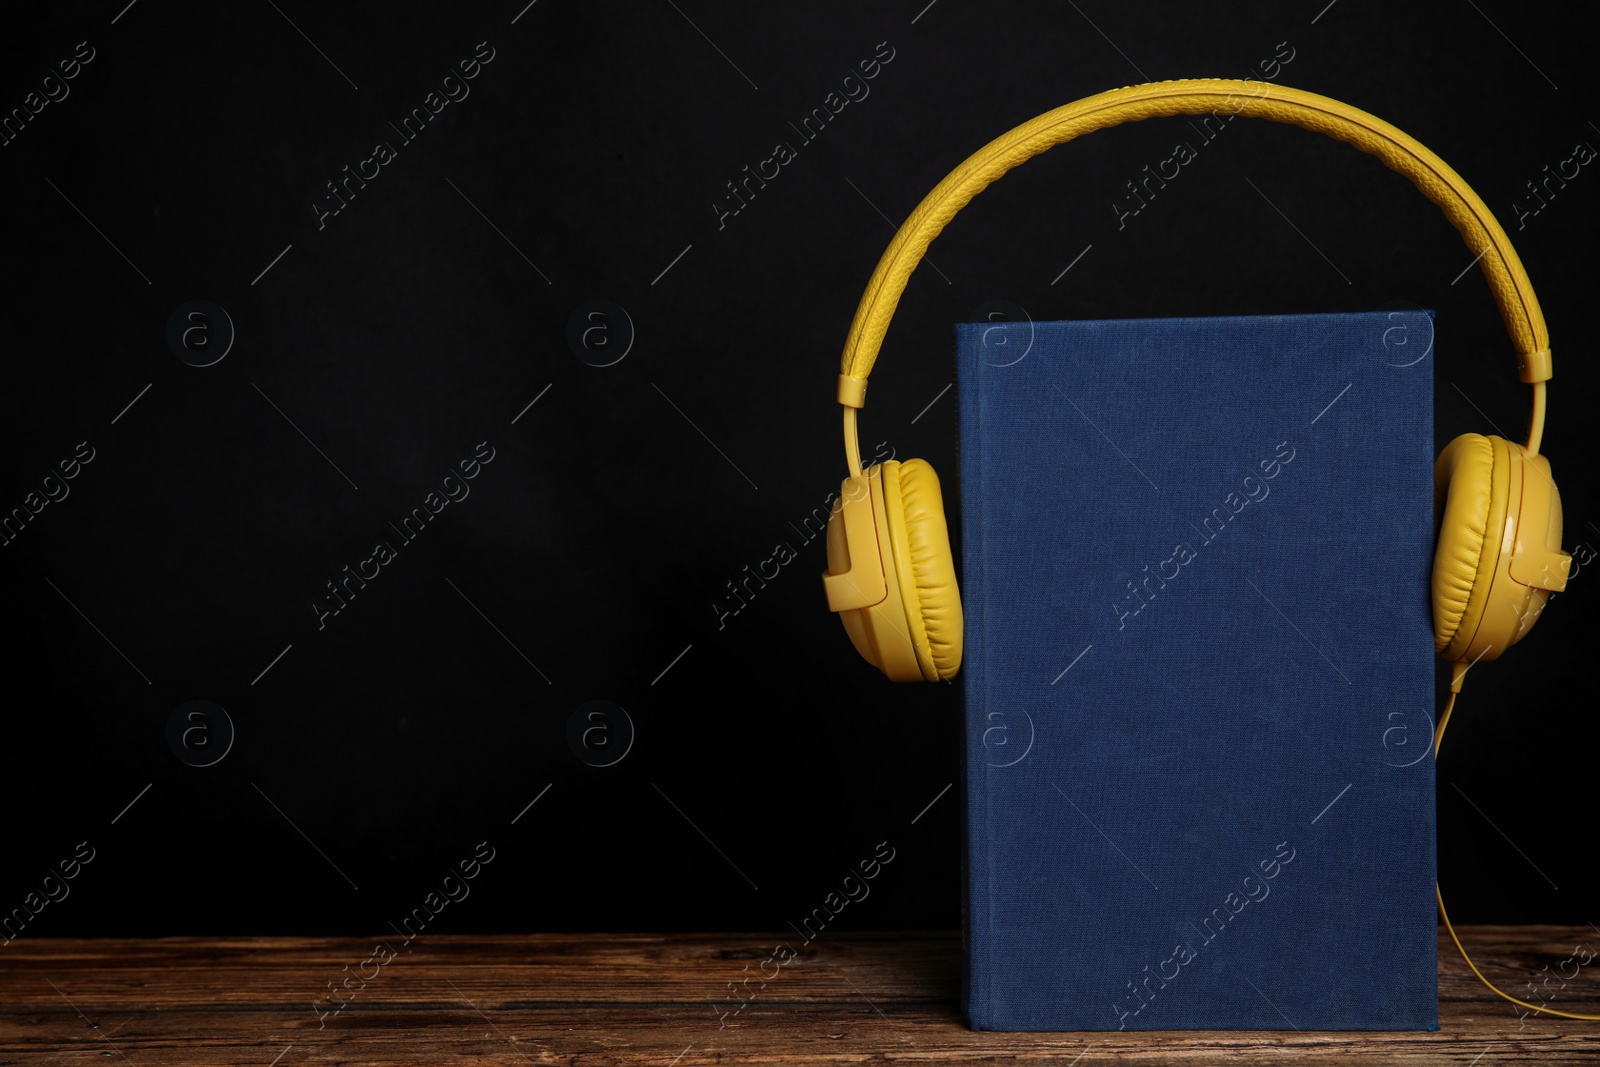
x: 1470, y: 490
x: 876, y: 621
x: 920, y: 539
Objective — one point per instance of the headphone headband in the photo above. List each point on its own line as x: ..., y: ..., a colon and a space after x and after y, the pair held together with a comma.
x: 1400, y: 152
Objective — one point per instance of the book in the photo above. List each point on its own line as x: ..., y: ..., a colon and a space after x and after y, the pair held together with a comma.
x: 1198, y: 681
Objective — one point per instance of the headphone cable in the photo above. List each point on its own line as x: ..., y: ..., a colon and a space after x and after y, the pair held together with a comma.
x: 1458, y: 672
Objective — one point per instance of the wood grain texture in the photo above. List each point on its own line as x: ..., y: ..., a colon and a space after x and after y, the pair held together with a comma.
x: 660, y: 998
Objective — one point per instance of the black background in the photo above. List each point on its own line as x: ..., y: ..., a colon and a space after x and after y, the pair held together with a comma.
x: 586, y: 562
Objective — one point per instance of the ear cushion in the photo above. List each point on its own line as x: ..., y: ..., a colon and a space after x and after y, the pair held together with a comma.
x: 1463, y: 479
x: 922, y: 544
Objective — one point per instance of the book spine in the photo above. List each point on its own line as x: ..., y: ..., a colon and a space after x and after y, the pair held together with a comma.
x: 977, y: 926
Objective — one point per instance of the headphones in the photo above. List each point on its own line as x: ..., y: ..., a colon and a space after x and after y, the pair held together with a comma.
x: 891, y: 575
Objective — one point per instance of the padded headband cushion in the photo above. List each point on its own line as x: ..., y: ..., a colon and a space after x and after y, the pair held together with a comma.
x: 1277, y: 103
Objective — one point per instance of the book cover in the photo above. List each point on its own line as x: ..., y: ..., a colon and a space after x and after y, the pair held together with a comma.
x: 1199, y: 673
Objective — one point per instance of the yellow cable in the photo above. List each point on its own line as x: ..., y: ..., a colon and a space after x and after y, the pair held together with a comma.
x: 852, y: 442
x: 1536, y: 419
x: 1438, y: 737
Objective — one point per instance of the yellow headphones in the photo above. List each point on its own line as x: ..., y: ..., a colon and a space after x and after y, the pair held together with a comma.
x: 891, y: 575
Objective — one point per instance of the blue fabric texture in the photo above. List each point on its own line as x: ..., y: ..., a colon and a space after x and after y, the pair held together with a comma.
x: 1199, y: 673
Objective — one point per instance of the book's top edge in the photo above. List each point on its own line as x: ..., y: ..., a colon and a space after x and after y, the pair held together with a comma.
x: 1280, y: 317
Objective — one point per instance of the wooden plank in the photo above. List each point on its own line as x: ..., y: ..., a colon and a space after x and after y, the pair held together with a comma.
x: 847, y: 998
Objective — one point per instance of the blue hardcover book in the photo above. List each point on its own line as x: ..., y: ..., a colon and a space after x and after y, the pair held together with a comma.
x: 1199, y: 673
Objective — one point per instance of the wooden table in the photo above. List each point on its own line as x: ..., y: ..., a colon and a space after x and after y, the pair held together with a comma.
x: 657, y: 999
